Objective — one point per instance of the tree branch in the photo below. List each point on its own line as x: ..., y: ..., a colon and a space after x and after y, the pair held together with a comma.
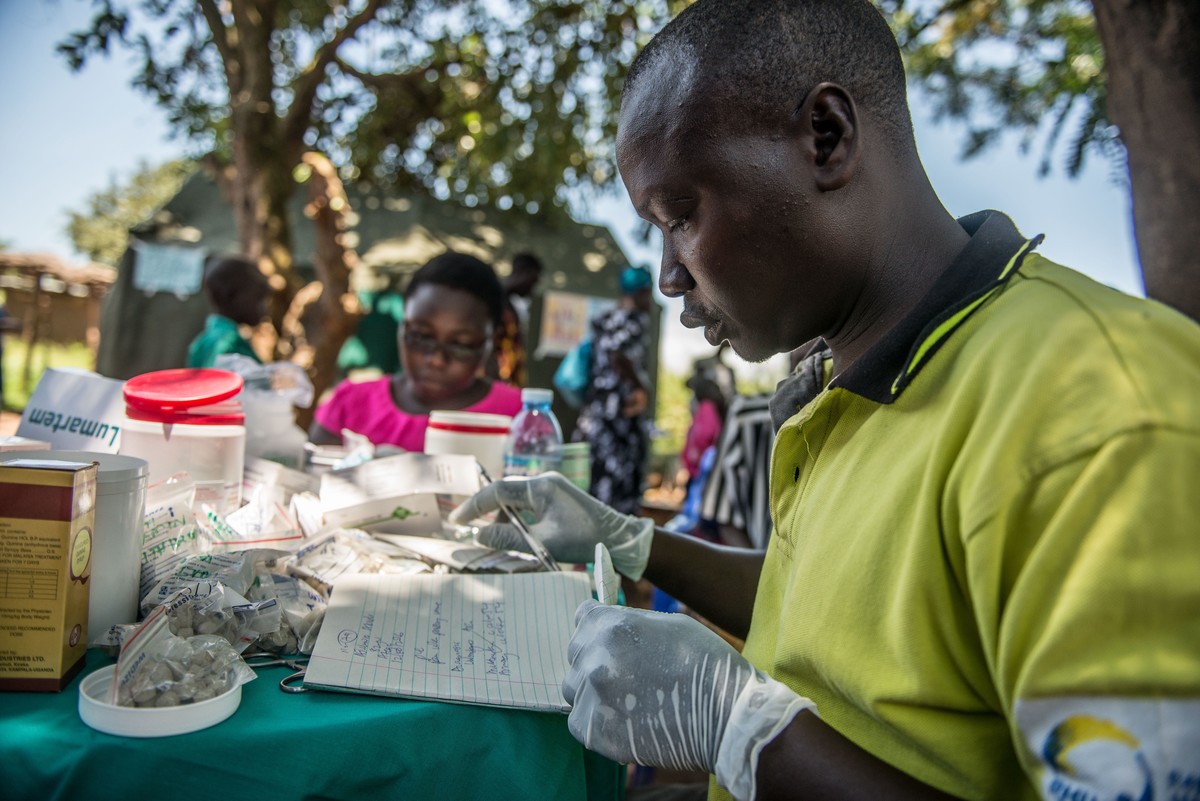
x: 304, y: 89
x: 221, y: 39
x: 949, y: 7
x: 387, y: 80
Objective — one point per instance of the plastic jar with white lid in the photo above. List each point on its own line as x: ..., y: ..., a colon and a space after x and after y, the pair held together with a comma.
x: 186, y: 421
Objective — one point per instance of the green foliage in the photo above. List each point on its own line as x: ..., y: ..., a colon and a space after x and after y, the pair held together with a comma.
x: 672, y: 413
x: 486, y: 101
x: 1035, y: 67
x: 101, y: 229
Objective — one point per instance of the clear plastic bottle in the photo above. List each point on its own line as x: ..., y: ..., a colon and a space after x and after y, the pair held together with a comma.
x: 535, y: 441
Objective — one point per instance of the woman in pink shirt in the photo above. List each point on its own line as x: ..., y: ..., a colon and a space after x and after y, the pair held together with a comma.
x: 451, y: 309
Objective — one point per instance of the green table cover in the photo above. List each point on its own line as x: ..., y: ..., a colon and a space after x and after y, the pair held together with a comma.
x: 313, y: 745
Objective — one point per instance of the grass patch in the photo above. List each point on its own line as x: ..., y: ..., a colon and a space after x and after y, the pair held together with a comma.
x: 45, y: 354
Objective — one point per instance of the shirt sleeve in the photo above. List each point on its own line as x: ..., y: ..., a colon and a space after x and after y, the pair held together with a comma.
x: 1087, y: 589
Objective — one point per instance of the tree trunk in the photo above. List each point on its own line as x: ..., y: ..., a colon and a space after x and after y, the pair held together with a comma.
x: 1153, y: 68
x: 31, y: 328
x: 261, y: 191
x: 324, y: 313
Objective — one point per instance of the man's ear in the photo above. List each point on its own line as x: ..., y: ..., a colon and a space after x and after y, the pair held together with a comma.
x: 829, y: 127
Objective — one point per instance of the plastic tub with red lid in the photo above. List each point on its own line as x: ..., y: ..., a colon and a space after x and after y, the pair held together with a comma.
x: 188, y: 421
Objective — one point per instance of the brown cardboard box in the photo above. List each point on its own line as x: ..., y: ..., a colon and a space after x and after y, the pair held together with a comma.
x: 47, y: 510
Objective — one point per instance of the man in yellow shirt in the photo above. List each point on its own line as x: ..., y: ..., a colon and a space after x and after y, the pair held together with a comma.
x: 982, y: 576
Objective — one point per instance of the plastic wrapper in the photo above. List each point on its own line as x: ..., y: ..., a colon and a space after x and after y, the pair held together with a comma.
x: 206, y: 595
x: 305, y: 508
x: 261, y: 522
x: 157, y: 668
x: 300, y: 607
x: 285, y: 380
x: 342, y: 551
x: 169, y: 530
x: 277, y: 482
x: 234, y: 570
x: 113, y: 638
x: 209, y: 607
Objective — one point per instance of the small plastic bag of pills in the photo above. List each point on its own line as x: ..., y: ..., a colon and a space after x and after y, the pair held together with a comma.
x: 297, y: 603
x: 157, y: 668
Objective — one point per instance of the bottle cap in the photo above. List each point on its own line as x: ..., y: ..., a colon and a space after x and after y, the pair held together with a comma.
x: 535, y: 395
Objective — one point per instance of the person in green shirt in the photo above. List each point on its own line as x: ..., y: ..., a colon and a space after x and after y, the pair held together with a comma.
x: 237, y: 292
x: 981, y: 580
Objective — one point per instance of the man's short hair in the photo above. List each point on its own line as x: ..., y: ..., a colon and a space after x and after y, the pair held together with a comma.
x: 465, y: 273
x: 758, y: 59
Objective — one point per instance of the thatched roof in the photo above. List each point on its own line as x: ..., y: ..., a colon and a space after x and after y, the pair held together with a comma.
x: 34, y: 264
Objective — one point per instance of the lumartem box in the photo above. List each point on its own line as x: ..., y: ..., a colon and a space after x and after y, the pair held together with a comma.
x: 47, y: 513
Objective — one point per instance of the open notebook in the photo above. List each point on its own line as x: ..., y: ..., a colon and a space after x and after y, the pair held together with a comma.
x: 498, y: 640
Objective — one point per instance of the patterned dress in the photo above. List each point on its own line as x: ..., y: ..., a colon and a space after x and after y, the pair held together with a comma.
x: 619, y: 444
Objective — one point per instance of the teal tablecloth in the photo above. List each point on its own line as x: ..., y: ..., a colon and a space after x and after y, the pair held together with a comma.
x: 307, y: 746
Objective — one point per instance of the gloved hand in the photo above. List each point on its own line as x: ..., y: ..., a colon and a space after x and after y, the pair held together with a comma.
x: 568, y: 521
x: 663, y: 690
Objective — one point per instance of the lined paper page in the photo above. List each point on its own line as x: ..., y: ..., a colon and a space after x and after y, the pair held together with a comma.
x: 498, y: 640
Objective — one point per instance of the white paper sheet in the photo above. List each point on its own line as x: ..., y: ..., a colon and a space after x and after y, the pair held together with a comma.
x: 496, y: 640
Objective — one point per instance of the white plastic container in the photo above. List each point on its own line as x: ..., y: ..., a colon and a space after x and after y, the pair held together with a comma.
x: 471, y: 433
x: 117, y: 535
x: 130, y: 721
x: 185, y: 421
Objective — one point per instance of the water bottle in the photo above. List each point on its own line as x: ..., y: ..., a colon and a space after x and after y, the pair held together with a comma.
x: 535, y: 441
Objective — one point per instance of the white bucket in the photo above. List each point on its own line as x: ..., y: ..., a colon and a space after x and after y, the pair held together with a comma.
x: 188, y: 420
x: 117, y: 534
x: 213, y: 455
x: 471, y: 433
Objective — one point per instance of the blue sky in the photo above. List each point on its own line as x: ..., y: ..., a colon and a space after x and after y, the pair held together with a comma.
x: 66, y: 136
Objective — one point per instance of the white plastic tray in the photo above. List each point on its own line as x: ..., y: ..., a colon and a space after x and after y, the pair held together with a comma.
x: 129, y: 721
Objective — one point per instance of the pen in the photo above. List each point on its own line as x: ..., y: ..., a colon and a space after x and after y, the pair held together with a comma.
x: 535, y: 545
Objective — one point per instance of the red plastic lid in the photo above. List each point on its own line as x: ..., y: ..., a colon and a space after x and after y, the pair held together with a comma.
x: 470, y: 422
x: 189, y: 395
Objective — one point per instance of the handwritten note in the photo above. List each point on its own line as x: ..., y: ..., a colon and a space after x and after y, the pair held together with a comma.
x: 497, y: 640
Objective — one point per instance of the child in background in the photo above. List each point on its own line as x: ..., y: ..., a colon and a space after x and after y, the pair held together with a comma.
x: 237, y: 291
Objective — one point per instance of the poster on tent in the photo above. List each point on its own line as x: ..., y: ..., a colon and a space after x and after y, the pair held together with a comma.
x: 566, y: 319
x: 167, y: 268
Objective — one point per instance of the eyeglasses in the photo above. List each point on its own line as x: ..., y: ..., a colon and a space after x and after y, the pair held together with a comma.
x: 454, y: 351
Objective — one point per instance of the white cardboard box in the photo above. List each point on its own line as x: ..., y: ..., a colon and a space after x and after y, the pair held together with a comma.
x: 75, y: 410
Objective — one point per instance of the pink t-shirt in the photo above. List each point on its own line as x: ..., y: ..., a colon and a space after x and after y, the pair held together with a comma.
x: 705, y: 428
x: 366, y: 408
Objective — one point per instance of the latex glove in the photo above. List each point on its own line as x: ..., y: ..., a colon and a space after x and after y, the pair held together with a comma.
x: 663, y: 690
x: 567, y: 520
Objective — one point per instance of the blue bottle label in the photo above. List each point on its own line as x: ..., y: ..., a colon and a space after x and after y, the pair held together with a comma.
x: 529, y: 465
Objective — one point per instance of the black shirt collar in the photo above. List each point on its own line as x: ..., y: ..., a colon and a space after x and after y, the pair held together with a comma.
x: 991, y: 257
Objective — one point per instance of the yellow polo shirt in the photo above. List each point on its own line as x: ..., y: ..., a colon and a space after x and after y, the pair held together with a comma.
x: 985, y: 565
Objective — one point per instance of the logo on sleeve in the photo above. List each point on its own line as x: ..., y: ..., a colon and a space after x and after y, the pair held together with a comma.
x: 1096, y: 748
x: 1083, y: 745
